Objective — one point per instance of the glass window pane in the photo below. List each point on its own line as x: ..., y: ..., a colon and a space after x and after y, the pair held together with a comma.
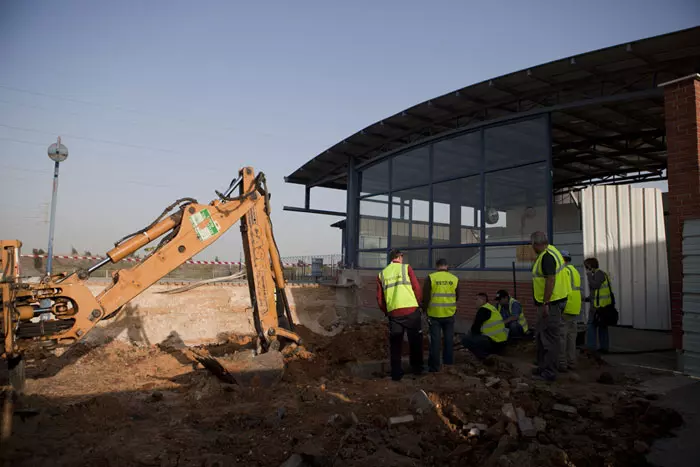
x: 410, y: 216
x: 374, y: 225
x: 516, y: 203
x: 418, y: 259
x: 503, y: 257
x: 457, y: 156
x: 375, y: 179
x: 372, y: 259
x: 411, y: 168
x: 459, y: 258
x: 516, y: 143
x: 457, y: 211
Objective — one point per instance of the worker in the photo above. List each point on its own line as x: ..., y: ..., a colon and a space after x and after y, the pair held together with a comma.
x: 488, y: 334
x: 398, y: 296
x: 550, y: 289
x: 600, y: 297
x: 440, y: 295
x: 569, y: 329
x: 512, y: 312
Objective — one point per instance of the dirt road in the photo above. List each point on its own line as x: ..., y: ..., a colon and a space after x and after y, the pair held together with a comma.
x: 120, y: 405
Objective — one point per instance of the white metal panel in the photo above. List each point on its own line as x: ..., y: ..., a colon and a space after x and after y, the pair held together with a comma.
x: 623, y: 228
x: 691, y: 297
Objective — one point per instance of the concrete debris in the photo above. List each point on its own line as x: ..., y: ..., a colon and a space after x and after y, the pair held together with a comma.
x: 492, y: 381
x: 525, y: 424
x: 473, y: 432
x: 353, y: 417
x: 540, y: 424
x: 521, y: 387
x: 336, y: 418
x: 481, y: 372
x: 393, y: 421
x: 295, y: 460
x: 478, y: 426
x: 509, y: 411
x: 420, y: 400
x: 565, y: 408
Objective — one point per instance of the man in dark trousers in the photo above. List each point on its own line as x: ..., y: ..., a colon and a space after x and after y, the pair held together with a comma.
x: 488, y: 333
x: 440, y: 296
x: 398, y: 295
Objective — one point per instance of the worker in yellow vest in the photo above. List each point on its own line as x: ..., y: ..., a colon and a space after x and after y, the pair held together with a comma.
x: 569, y: 329
x: 601, y: 296
x: 551, y: 290
x: 488, y: 333
x: 513, y: 316
x: 398, y: 296
x: 440, y: 295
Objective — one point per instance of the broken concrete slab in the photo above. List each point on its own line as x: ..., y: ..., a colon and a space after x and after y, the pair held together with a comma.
x: 393, y: 421
x: 420, y: 400
x: 492, y: 381
x: 565, y: 408
x: 509, y: 411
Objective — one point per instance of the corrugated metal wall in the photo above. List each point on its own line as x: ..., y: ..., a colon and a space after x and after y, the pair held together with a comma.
x: 691, y: 297
x: 624, y: 228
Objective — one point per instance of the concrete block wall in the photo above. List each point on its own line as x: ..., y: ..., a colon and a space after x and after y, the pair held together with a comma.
x: 682, y: 114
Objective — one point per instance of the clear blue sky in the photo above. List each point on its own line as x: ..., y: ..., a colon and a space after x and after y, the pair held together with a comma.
x: 164, y: 99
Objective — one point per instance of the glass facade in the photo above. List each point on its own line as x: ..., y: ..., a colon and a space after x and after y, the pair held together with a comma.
x: 471, y: 198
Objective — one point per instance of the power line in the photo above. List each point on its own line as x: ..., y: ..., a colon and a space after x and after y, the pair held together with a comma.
x: 160, y: 117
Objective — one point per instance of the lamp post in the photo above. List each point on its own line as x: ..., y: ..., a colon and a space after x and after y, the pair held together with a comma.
x: 57, y: 153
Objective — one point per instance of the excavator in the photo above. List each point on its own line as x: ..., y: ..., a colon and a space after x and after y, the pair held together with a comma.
x: 61, y: 309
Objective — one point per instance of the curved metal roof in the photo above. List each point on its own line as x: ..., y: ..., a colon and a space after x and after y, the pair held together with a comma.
x: 607, y: 120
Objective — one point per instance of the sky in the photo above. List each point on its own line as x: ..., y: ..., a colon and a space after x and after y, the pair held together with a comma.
x: 161, y: 100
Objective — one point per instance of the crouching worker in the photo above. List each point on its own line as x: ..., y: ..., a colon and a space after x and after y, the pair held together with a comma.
x: 512, y: 312
x: 488, y: 334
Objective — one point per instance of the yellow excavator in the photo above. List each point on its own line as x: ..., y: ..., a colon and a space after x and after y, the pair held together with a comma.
x: 62, y: 310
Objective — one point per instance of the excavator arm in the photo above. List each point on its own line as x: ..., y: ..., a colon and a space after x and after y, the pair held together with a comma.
x: 74, y: 310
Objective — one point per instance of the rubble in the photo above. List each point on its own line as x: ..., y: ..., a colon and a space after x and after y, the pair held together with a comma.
x: 393, y: 421
x: 565, y: 408
x: 492, y: 381
x: 312, y: 415
x: 509, y: 411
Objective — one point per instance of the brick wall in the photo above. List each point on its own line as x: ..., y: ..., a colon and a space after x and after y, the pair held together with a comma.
x: 682, y: 114
x: 468, y: 288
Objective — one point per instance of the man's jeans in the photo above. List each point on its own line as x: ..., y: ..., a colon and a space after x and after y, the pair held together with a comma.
x: 441, y: 327
x: 567, y: 339
x: 597, y: 335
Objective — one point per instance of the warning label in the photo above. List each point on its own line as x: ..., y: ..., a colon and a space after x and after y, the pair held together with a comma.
x: 204, y: 225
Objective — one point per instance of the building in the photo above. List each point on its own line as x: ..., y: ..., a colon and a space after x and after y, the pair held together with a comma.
x: 469, y: 175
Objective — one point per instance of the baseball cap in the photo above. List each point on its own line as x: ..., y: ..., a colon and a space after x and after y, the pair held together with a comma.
x: 565, y: 254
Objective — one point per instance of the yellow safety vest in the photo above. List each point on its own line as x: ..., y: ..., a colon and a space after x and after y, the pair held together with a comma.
x: 493, y: 327
x: 443, y: 294
x: 522, y: 320
x: 561, y: 284
x: 602, y: 297
x: 573, y: 302
x: 396, y: 283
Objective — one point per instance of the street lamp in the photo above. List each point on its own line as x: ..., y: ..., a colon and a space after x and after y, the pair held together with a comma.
x: 57, y: 153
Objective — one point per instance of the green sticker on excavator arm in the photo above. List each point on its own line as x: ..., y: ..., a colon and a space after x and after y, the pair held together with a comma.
x: 204, y: 226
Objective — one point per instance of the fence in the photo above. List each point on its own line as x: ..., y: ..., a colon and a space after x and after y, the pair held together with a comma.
x: 296, y: 268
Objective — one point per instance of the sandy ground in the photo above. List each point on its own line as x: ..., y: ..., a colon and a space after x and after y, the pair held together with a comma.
x: 122, y: 405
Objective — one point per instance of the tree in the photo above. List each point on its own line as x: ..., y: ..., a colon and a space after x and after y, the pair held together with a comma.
x: 87, y: 253
x: 216, y: 258
x: 73, y: 251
